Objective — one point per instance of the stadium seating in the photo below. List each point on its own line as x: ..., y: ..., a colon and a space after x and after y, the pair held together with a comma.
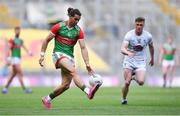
x: 6, y: 19
x: 170, y: 7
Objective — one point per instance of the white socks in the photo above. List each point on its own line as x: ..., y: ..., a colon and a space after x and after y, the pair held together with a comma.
x: 123, y: 100
x: 48, y: 98
x: 87, y: 90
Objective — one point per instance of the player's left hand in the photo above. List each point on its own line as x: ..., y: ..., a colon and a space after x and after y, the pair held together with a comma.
x: 89, y: 69
x: 151, y: 62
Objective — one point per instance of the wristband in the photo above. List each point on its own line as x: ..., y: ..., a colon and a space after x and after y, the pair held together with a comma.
x: 42, y: 54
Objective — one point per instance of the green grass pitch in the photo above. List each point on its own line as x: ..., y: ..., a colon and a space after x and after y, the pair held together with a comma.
x: 141, y: 101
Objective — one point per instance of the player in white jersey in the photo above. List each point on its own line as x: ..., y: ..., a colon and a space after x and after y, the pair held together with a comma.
x: 134, y: 48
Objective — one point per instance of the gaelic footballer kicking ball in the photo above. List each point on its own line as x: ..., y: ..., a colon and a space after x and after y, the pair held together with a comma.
x: 96, y: 78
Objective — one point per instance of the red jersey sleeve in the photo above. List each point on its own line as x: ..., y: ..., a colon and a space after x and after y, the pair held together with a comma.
x: 55, y: 28
x: 81, y: 34
x: 10, y: 42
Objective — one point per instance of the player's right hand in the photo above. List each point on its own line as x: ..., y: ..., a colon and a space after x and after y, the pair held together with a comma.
x: 131, y: 54
x: 30, y: 53
x: 8, y: 62
x: 41, y: 61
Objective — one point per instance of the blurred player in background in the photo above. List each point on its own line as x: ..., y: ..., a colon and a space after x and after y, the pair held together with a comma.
x: 168, y: 58
x: 14, y: 49
x: 134, y: 48
x: 66, y: 34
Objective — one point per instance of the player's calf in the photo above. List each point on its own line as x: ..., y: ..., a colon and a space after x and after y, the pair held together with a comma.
x: 141, y: 83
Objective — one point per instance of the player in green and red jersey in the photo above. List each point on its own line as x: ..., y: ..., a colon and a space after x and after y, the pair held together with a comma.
x: 66, y: 34
x: 15, y: 45
x: 167, y: 58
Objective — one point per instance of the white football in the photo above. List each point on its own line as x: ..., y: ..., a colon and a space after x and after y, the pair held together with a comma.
x: 95, y: 78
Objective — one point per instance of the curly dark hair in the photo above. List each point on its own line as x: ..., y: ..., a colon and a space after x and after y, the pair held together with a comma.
x: 72, y: 12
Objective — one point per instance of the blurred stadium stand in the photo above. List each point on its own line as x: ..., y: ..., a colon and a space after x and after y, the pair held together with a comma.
x: 105, y: 23
x: 170, y: 7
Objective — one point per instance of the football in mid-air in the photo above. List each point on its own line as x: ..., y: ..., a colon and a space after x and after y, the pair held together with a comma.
x: 94, y: 79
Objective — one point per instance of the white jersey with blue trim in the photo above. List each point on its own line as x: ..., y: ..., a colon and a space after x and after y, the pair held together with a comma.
x: 137, y: 44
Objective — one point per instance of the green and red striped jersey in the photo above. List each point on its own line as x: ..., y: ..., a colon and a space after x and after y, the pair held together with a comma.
x: 15, y: 45
x: 169, y: 51
x: 66, y: 38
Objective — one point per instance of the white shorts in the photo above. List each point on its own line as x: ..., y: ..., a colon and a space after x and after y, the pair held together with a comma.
x: 58, y: 56
x: 15, y: 60
x: 167, y: 63
x: 134, y: 65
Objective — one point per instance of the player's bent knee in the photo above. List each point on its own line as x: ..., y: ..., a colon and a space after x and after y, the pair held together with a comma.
x: 141, y: 83
x: 73, y: 72
x: 127, y: 83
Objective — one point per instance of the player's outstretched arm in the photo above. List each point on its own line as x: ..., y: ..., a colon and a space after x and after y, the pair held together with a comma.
x: 161, y: 54
x: 27, y: 51
x: 8, y: 55
x: 151, y: 50
x: 85, y: 56
x: 44, y: 47
x: 176, y: 57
